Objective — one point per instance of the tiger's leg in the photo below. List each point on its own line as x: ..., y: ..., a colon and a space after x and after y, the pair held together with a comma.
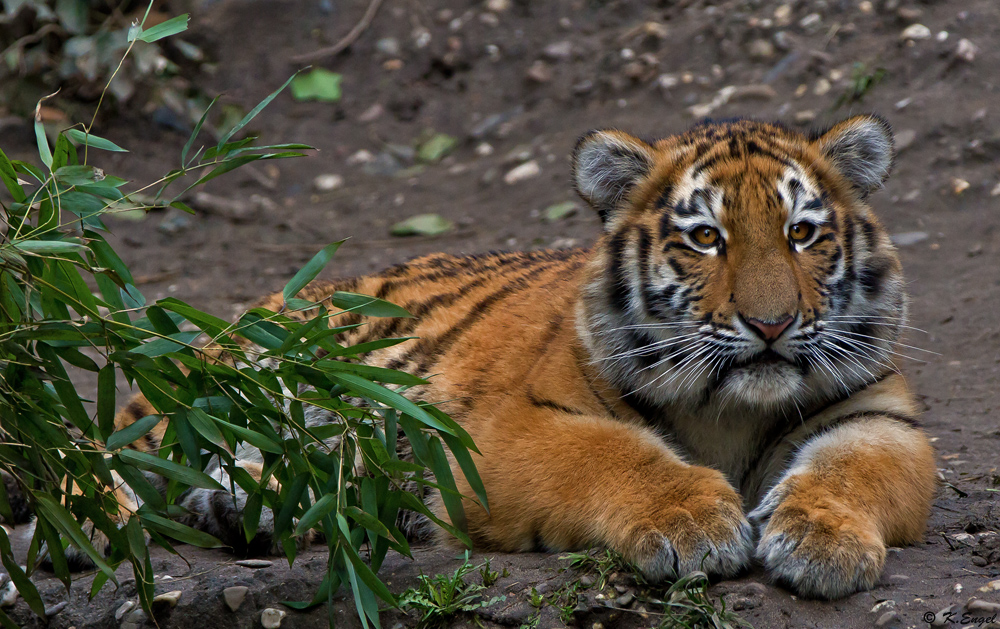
x: 848, y: 494
x: 568, y: 481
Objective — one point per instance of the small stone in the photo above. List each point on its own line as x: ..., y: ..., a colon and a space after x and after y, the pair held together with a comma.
x: 484, y: 149
x: 915, y: 32
x: 255, y: 563
x: 887, y: 618
x: 525, y: 171
x: 906, y: 239
x: 9, y: 596
x: 168, y: 598
x: 909, y: 14
x: 783, y: 15
x: 995, y: 192
x: 805, y: 116
x: 760, y: 49
x: 558, y: 51
x: 498, y: 6
x: 984, y: 607
x: 587, y: 581
x: 813, y: 19
x: 904, y: 139
x: 625, y: 599
x: 360, y: 157
x: 667, y: 81
x: 904, y: 103
x: 992, y: 586
x: 539, y: 72
x: 898, y: 578
x: 372, y: 113
x: 234, y: 596
x: 392, y: 65
x: 942, y: 617
x: 884, y: 605
x: 55, y: 609
x: 388, y: 46
x: 517, y: 155
x: 977, y: 560
x: 958, y: 186
x: 966, y: 50
x: 134, y: 620
x: 326, y: 183
x: 942, y: 36
x: 957, y: 588
x: 866, y: 7
x: 124, y: 609
x: 271, y: 618
x: 585, y: 86
x: 822, y: 87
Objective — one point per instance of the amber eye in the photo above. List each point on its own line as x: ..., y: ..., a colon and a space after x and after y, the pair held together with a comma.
x: 705, y: 236
x: 801, y: 232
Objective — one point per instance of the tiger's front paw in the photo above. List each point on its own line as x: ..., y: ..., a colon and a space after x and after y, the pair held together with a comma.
x: 697, y: 526
x: 818, y: 546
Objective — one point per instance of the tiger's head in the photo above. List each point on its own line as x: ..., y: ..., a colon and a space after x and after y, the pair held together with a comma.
x: 740, y: 262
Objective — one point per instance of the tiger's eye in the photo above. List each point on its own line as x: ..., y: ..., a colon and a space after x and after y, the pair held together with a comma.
x: 705, y: 235
x: 800, y: 232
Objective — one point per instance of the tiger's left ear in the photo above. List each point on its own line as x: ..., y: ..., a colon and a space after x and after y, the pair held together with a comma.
x: 862, y: 149
x: 607, y: 165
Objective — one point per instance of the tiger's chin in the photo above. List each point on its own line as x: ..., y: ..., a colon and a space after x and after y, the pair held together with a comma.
x: 766, y: 383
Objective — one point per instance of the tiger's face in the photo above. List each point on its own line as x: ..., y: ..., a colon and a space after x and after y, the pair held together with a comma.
x: 740, y: 263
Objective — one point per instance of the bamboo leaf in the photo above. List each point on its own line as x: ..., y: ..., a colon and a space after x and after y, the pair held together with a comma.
x: 169, y: 469
x: 309, y: 272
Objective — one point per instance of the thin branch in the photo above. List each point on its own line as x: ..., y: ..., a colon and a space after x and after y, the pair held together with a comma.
x: 348, y: 39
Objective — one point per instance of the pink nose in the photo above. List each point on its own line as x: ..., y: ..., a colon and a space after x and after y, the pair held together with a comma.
x: 769, y: 331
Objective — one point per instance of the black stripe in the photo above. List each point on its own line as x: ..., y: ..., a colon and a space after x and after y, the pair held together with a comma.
x: 618, y: 294
x: 912, y: 422
x: 552, y: 404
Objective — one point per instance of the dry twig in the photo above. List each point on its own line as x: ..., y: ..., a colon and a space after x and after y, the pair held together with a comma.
x: 348, y: 39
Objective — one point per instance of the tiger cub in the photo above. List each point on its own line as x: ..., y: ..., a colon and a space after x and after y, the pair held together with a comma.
x: 710, y: 384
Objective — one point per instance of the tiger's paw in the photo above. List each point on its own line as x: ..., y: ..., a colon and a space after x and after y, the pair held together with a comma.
x: 817, y: 546
x: 702, y: 530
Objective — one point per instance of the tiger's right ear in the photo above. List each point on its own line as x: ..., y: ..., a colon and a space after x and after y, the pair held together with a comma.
x: 607, y: 165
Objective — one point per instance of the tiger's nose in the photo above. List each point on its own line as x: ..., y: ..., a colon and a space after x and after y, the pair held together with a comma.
x: 768, y: 330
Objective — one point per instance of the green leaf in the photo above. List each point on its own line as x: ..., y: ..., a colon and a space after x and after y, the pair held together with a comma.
x: 309, y: 272
x: 366, y: 388
x: 172, y: 26
x: 253, y: 113
x: 21, y: 581
x: 76, y: 175
x: 255, y: 439
x: 317, y: 512
x: 464, y: 460
x: 205, y: 425
x: 91, y: 140
x: 422, y: 225
x: 319, y: 84
x: 44, y: 152
x: 370, y: 372
x: 57, y: 515
x: 197, y: 130
x: 135, y: 430
x: 367, y: 306
x: 169, y: 469
x: 180, y: 532
x: 172, y: 343
x: 436, y: 148
x: 555, y: 212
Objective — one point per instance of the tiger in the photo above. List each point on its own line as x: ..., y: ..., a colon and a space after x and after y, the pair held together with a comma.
x: 710, y: 386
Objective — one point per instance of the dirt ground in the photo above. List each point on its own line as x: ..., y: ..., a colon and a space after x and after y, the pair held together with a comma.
x: 517, y: 82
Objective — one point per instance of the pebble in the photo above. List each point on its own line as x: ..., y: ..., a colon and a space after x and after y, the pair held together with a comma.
x: 361, y: 157
x: 898, y: 578
x: 134, y: 620
x: 326, y: 183
x: 985, y: 607
x: 234, y: 596
x: 558, y: 51
x: 813, y: 19
x: 805, y: 116
x: 587, y: 581
x: 760, y: 49
x: 783, y: 15
x: 822, y: 87
x: 915, y: 32
x: 995, y: 192
x: 9, y: 596
x: 957, y: 588
x: 625, y: 599
x: 372, y: 113
x: 887, y: 618
x: 884, y: 605
x: 904, y: 139
x: 498, y: 6
x: 484, y: 149
x: 168, y: 598
x: 388, y: 46
x: 255, y: 563
x: 539, y: 72
x: 55, y: 609
x: 520, y: 173
x: 667, y: 81
x: 271, y: 618
x: 992, y: 586
x: 966, y: 50
x: 124, y: 609
x: 905, y: 239
x: 958, y: 186
x: 942, y: 617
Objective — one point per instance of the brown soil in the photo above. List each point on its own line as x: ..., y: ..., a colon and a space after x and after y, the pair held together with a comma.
x: 944, y: 109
